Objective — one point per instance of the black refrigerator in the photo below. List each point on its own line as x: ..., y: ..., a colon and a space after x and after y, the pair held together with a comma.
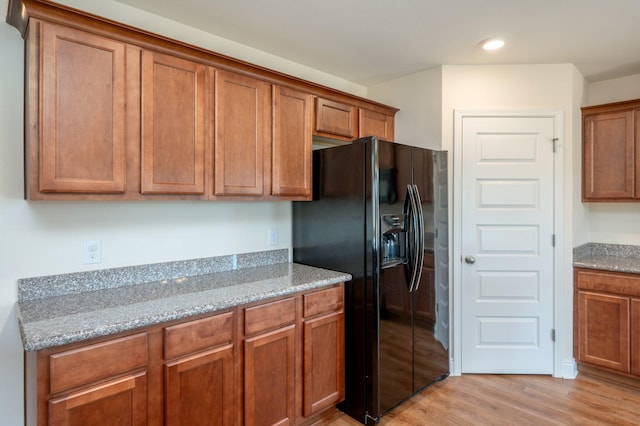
x: 379, y: 212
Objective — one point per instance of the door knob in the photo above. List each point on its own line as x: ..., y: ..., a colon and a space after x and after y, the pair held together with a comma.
x: 470, y: 260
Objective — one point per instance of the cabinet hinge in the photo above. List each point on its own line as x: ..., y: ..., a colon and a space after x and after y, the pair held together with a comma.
x: 555, y: 144
x: 553, y: 334
x: 553, y: 240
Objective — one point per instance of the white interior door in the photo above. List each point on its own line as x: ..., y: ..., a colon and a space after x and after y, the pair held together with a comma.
x: 507, y: 245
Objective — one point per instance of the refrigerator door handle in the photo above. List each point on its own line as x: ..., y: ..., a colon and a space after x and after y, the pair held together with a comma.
x: 420, y: 237
x: 414, y: 237
x: 409, y: 214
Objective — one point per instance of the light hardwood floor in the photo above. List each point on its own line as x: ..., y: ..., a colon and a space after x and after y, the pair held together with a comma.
x: 513, y: 400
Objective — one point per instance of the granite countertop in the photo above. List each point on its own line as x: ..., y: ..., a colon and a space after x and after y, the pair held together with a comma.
x: 54, y: 320
x: 608, y: 257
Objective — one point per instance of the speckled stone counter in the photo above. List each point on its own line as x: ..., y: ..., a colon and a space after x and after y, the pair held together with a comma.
x: 608, y: 257
x: 54, y: 318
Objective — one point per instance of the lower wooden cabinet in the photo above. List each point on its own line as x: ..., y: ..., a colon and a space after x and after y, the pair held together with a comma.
x: 200, y: 380
x: 604, y: 330
x: 323, y: 363
x: 278, y: 362
x: 607, y: 322
x: 121, y: 401
x: 269, y: 363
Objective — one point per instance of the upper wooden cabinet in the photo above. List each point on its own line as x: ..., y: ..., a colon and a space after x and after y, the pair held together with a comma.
x: 116, y: 113
x: 291, y: 155
x: 76, y: 100
x: 173, y: 125
x: 243, y: 134
x: 611, y: 156
x: 336, y: 120
x: 342, y: 121
x: 372, y: 123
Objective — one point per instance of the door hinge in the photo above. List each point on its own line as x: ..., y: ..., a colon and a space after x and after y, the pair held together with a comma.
x: 553, y: 240
x: 553, y: 334
x: 555, y: 144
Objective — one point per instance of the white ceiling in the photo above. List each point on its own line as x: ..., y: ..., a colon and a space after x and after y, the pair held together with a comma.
x: 369, y: 41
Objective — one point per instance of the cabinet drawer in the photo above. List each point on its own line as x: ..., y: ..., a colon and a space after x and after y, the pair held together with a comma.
x: 269, y: 316
x: 197, y: 335
x: 91, y: 363
x: 323, y: 301
x: 610, y: 282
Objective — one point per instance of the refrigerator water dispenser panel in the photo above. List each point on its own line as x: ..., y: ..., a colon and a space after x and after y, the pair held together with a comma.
x: 393, y: 242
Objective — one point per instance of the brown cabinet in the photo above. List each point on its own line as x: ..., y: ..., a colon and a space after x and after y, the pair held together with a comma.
x: 271, y: 363
x: 603, y: 337
x: 96, y: 384
x: 293, y: 113
x: 116, y: 113
x: 611, y: 155
x: 200, y: 377
x: 372, y: 123
x: 173, y: 125
x: 323, y: 350
x: 242, y: 135
x: 76, y: 102
x: 336, y: 120
x: 343, y: 121
x: 607, y: 321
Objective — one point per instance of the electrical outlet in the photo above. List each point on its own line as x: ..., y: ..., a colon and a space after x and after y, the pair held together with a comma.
x: 273, y: 237
x: 91, y: 251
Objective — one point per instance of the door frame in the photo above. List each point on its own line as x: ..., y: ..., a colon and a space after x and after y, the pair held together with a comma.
x: 559, y: 304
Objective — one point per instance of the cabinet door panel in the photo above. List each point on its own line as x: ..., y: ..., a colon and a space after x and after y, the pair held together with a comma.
x: 603, y: 330
x: 335, y: 119
x: 82, y: 139
x: 173, y: 117
x: 323, y: 373
x: 608, y: 156
x: 200, y: 389
x: 375, y: 124
x: 292, y: 143
x: 243, y: 134
x: 118, y: 402
x: 269, y: 380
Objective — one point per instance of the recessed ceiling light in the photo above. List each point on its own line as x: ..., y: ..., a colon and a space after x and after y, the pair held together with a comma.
x: 492, y: 44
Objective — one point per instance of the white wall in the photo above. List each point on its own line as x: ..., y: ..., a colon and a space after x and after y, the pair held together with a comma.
x: 614, y: 222
x: 42, y: 238
x: 419, y: 98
